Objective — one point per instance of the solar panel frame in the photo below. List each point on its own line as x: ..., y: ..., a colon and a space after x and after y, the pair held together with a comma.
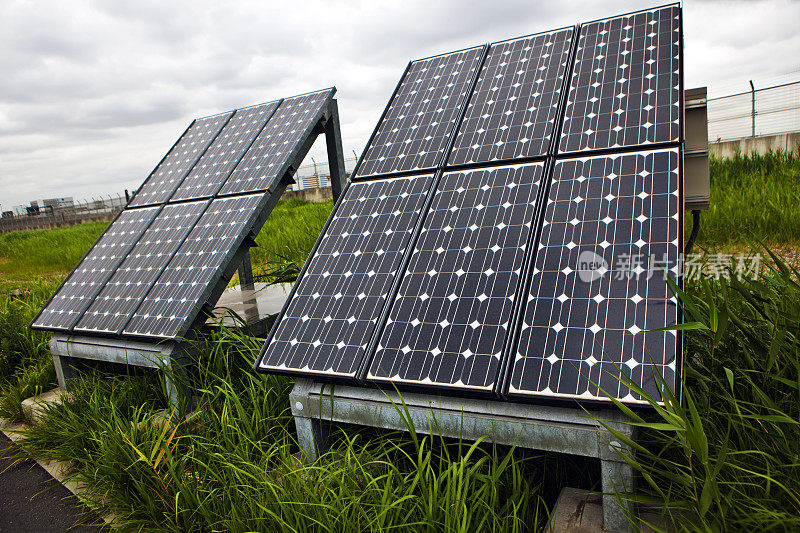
x: 453, y: 159
x: 537, y: 182
x: 505, y: 392
x: 202, y: 206
x: 561, y: 150
x: 33, y: 324
x: 447, y: 143
x: 224, y: 270
x: 139, y: 198
x: 360, y: 369
x: 290, y: 163
x: 211, y: 190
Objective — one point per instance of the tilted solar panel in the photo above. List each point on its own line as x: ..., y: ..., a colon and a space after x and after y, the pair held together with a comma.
x: 217, y: 163
x: 612, y: 227
x: 171, y: 171
x: 333, y: 313
x: 512, y: 112
x: 71, y: 299
x: 269, y: 156
x: 449, y: 323
x: 422, y: 116
x: 122, y: 293
x: 176, y: 298
x: 256, y: 145
x: 626, y: 84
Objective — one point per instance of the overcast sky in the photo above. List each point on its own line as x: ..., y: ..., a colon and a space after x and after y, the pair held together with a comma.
x: 94, y: 93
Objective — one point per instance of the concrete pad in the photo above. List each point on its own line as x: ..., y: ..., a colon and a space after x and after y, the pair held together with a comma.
x: 581, y: 511
x: 35, y: 407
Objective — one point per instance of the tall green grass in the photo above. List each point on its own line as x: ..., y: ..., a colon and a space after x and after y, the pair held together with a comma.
x: 237, y: 467
x: 46, y: 252
x: 753, y: 197
x: 727, y: 458
x: 290, y: 232
x: 26, y: 367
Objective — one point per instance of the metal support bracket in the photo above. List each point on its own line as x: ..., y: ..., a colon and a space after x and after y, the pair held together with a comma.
x: 170, y: 358
x: 554, y: 429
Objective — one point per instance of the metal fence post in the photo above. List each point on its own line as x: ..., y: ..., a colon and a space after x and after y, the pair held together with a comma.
x: 753, y: 108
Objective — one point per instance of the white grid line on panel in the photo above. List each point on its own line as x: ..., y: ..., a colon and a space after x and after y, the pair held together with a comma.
x: 264, y: 159
x: 171, y: 171
x: 169, y: 303
x: 334, y: 310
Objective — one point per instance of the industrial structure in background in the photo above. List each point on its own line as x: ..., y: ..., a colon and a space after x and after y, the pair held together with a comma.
x: 760, y: 119
x: 313, y: 183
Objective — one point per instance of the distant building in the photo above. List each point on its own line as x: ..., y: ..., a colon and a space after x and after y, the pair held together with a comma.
x: 59, y: 203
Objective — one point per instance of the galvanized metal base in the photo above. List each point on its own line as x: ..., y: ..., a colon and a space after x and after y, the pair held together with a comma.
x: 168, y: 357
x: 553, y: 429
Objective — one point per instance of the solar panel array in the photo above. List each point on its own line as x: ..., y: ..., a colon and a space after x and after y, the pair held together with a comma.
x: 331, y: 317
x: 151, y: 272
x: 513, y: 109
x: 531, y: 260
x: 422, y: 114
x: 625, y: 88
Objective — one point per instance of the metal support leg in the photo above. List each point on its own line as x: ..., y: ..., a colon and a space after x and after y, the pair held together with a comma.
x: 333, y: 141
x: 64, y: 370
x: 312, y: 433
x: 617, y: 476
x: 312, y: 437
x: 246, y: 273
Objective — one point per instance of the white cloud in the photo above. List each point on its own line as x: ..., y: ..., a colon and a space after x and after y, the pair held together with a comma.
x: 94, y: 92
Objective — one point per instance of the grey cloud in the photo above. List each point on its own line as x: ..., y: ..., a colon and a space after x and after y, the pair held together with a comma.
x: 94, y: 92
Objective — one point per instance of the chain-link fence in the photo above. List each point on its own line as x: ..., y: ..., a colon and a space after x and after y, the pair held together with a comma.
x: 60, y: 212
x: 756, y: 112
x: 316, y: 174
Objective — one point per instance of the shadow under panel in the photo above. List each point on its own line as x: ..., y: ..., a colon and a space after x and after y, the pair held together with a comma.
x: 332, y: 315
x: 121, y: 295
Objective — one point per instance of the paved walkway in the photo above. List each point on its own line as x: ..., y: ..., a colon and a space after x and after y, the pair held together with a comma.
x: 31, y: 500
